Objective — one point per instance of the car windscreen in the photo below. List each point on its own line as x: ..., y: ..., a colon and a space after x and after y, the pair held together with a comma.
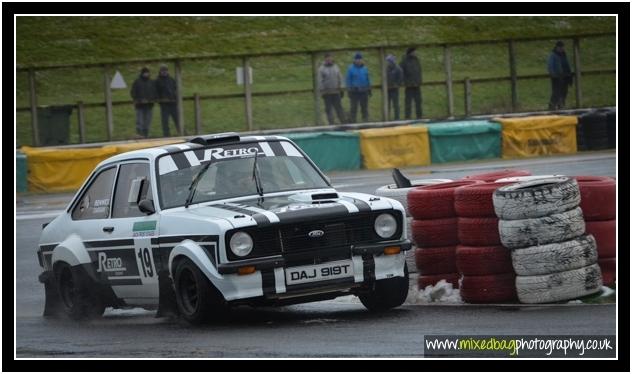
x: 280, y: 168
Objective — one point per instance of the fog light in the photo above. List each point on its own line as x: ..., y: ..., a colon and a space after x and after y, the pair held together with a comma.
x: 245, y: 270
x: 392, y: 250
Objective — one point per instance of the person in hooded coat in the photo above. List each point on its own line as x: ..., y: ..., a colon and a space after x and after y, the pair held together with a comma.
x: 561, y: 76
x: 143, y: 93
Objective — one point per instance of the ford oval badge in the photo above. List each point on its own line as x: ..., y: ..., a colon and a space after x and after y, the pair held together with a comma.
x: 316, y: 233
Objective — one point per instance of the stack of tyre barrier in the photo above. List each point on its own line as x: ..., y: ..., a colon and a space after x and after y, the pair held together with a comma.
x: 542, y: 223
x: 434, y: 230
x: 495, y: 175
x: 485, y: 265
x: 598, y: 203
x: 596, y: 130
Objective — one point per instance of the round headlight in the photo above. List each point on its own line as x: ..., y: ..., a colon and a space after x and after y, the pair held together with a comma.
x: 385, y: 225
x: 241, y: 244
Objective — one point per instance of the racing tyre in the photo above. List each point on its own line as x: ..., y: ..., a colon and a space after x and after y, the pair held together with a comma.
x: 476, y: 200
x: 495, y: 288
x: 478, y: 231
x: 435, y: 232
x: 537, y: 198
x: 430, y: 280
x: 555, y: 257
x: 544, y: 230
x: 493, y: 176
x: 528, y: 178
x: 400, y: 194
x: 435, y: 201
x: 435, y: 260
x: 566, y: 285
x: 387, y: 293
x: 77, y: 300
x: 605, y: 233
x: 198, y: 301
x: 483, y: 260
x: 608, y: 268
x: 598, y: 197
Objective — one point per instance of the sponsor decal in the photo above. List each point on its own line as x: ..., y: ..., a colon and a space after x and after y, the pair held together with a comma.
x: 109, y: 264
x: 221, y: 153
x: 144, y: 228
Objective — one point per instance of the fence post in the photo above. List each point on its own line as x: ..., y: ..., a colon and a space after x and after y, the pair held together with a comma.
x: 315, y: 86
x: 578, y: 74
x: 385, y: 113
x: 514, y: 76
x: 179, y: 98
x: 82, y: 122
x: 198, y: 114
x: 108, y: 102
x: 447, y: 63
x: 33, y: 103
x: 468, y: 96
x: 247, y: 92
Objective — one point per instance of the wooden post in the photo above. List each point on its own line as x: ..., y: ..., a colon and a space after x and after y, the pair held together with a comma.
x: 578, y: 74
x: 385, y: 114
x: 447, y: 63
x: 179, y: 100
x: 468, y: 97
x: 198, y: 114
x: 514, y: 76
x: 109, y: 120
x: 82, y: 122
x: 316, y: 89
x: 247, y: 93
x: 33, y: 103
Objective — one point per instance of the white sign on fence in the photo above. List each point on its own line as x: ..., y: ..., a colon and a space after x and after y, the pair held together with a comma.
x: 117, y: 81
x: 240, y: 75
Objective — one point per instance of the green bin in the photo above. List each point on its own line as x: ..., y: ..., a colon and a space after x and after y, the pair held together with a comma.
x: 330, y: 150
x: 464, y: 140
x: 53, y: 124
x: 20, y: 172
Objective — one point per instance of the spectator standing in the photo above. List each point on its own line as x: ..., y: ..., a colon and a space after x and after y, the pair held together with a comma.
x: 411, y: 68
x: 167, y: 99
x: 394, y: 79
x: 330, y: 87
x: 144, y: 94
x: 561, y: 76
x: 359, y: 88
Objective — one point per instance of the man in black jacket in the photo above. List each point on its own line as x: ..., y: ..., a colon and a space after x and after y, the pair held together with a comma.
x: 167, y: 98
x: 144, y: 94
x: 411, y: 68
x: 394, y: 80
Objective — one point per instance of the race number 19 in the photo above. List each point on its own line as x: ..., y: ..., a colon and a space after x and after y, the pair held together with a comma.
x: 144, y: 259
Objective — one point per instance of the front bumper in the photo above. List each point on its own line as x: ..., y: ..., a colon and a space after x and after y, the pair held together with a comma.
x: 268, y: 281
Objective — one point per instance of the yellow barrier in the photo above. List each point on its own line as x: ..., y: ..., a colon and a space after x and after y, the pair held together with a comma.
x: 538, y: 135
x: 395, y: 147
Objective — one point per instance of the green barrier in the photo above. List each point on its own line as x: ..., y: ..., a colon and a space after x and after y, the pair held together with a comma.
x: 330, y: 150
x: 20, y: 172
x: 464, y: 140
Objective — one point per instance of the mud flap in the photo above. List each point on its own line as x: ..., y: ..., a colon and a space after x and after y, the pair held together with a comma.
x: 167, y: 306
x: 52, y: 303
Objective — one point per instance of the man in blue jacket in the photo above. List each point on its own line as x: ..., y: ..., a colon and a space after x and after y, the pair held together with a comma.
x: 561, y: 76
x: 359, y: 88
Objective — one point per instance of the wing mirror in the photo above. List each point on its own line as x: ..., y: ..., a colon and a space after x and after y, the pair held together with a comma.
x: 146, y: 206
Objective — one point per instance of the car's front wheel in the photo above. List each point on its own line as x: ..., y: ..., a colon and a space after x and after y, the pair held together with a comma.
x: 387, y: 293
x: 79, y: 302
x: 198, y: 301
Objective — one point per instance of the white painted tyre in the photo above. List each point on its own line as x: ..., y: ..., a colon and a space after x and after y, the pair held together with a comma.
x: 566, y: 285
x: 536, y: 198
x: 555, y: 257
x: 400, y: 194
x: 521, y: 233
x: 527, y: 178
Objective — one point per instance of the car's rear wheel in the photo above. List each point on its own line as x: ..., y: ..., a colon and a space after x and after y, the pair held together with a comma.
x: 198, y: 301
x: 79, y: 302
x: 387, y: 293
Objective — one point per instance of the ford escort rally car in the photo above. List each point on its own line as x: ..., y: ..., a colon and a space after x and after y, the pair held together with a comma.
x: 219, y: 220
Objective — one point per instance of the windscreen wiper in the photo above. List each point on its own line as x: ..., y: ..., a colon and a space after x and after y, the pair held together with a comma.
x: 255, y: 176
x: 194, y: 183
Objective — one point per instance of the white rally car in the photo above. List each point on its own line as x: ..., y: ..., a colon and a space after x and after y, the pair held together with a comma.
x: 220, y: 220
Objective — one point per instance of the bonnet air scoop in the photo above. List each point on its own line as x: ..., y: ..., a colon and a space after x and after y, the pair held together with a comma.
x: 316, y: 197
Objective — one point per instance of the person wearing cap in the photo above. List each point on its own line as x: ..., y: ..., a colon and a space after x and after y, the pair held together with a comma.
x: 331, y: 88
x: 167, y: 99
x: 411, y: 68
x: 143, y: 94
x: 359, y: 88
x: 561, y: 76
x: 394, y: 79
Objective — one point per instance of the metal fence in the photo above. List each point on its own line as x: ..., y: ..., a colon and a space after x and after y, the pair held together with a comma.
x: 248, y: 93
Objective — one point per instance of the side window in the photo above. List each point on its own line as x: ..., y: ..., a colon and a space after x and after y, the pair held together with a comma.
x: 132, y: 185
x: 95, y: 202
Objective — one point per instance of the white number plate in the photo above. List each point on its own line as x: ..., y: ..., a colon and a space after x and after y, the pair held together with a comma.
x: 320, y: 272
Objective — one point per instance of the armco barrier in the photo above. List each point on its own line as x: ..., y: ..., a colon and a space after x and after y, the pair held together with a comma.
x: 538, y: 136
x: 330, y: 150
x: 395, y: 147
x: 464, y: 140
